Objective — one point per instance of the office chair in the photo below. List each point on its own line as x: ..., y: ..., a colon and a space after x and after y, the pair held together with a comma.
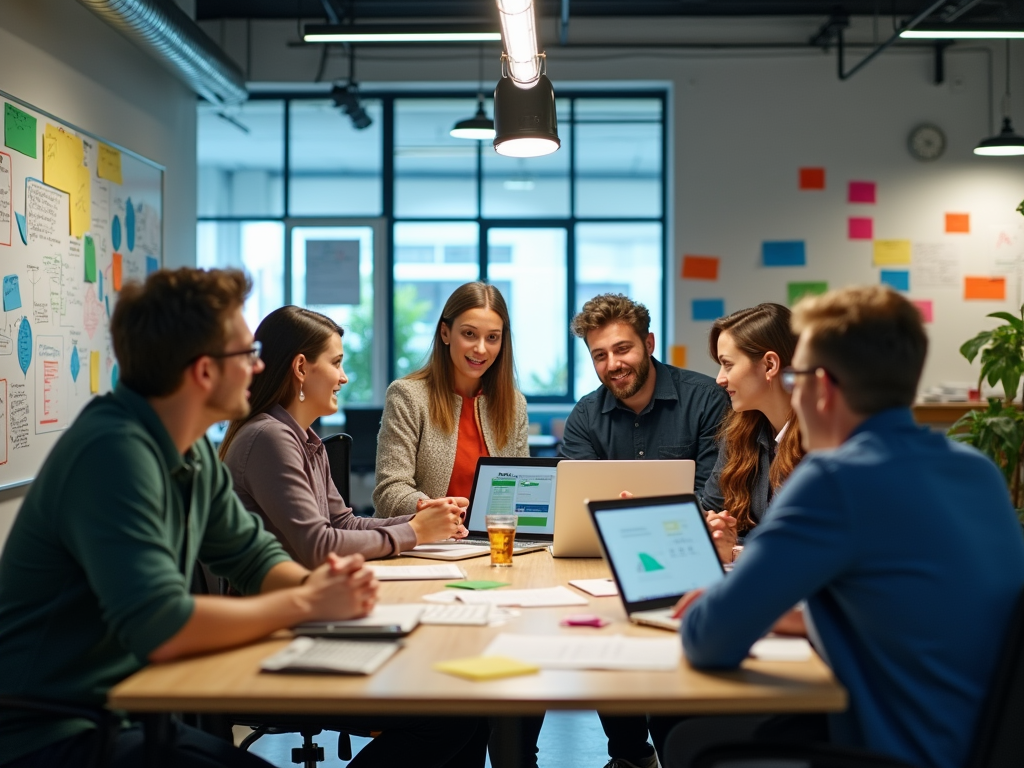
x: 339, y: 456
x: 107, y: 724
x: 998, y: 738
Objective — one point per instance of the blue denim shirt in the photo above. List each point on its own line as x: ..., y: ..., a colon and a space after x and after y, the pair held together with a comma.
x: 680, y: 422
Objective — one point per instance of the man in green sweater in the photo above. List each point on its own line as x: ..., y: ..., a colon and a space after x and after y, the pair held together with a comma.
x: 94, y: 578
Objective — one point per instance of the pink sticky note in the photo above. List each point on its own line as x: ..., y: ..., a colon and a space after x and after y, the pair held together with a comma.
x: 862, y: 192
x: 924, y: 306
x: 861, y: 228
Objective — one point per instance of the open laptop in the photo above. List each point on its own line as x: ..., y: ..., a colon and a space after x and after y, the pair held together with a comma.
x: 595, y: 480
x: 523, y: 487
x: 658, y: 550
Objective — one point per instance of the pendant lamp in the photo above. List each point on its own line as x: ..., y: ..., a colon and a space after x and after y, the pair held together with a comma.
x: 524, y: 120
x: 1007, y: 143
x: 479, y: 126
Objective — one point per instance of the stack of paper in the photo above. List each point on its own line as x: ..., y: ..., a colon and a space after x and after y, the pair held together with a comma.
x: 596, y: 587
x: 593, y: 652
x: 523, y: 598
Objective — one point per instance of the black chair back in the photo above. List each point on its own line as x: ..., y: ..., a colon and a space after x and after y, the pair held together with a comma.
x: 999, y: 741
x: 339, y: 455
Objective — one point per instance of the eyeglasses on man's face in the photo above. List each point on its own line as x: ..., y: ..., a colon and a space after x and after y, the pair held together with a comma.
x: 788, y: 376
x: 253, y: 353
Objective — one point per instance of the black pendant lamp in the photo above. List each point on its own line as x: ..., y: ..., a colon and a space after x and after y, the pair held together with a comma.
x: 524, y: 119
x: 479, y: 126
x: 1007, y: 143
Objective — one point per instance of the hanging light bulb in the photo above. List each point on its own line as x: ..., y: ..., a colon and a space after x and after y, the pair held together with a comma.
x: 1007, y: 143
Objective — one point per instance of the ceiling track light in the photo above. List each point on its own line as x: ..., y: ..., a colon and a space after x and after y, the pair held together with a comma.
x: 346, y: 98
x: 405, y: 33
x: 1007, y: 143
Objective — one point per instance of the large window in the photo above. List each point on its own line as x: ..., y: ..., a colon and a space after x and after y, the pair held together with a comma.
x: 377, y: 225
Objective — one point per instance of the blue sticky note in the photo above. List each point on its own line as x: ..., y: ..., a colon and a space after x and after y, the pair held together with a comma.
x: 152, y: 265
x: 12, y: 293
x: 21, y: 227
x: 784, y: 253
x: 115, y: 374
x: 76, y: 364
x: 898, y: 279
x: 129, y: 224
x: 25, y: 345
x: 99, y: 284
x: 115, y: 233
x: 708, y: 309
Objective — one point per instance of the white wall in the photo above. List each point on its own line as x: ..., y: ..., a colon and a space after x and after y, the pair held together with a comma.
x: 63, y: 59
x: 742, y: 122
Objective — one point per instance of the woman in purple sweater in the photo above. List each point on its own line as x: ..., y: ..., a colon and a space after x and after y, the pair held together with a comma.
x: 279, y: 466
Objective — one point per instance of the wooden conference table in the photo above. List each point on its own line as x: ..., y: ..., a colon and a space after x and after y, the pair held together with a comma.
x: 230, y: 681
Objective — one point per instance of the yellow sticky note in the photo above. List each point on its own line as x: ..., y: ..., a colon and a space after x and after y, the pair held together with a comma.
x: 108, y: 165
x: 679, y: 355
x: 64, y: 168
x: 888, y: 252
x: 94, y: 372
x: 486, y: 667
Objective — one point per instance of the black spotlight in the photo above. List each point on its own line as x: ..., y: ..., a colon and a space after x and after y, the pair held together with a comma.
x: 346, y: 98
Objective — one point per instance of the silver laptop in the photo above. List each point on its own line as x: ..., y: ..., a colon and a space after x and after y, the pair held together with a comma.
x: 523, y: 487
x: 579, y: 481
x: 658, y: 549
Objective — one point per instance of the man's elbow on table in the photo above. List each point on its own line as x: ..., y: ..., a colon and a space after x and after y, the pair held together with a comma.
x: 703, y: 651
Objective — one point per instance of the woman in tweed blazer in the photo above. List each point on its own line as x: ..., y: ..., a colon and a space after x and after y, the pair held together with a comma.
x: 471, y: 362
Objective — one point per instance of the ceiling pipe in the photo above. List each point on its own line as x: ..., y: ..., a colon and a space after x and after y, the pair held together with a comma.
x: 163, y: 30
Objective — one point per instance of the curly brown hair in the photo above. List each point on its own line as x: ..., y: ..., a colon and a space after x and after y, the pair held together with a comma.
x: 611, y: 308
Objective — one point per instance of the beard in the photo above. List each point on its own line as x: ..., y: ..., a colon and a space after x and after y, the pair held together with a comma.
x: 641, y: 374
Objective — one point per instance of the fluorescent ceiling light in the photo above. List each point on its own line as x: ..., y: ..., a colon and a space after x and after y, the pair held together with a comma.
x: 519, y: 31
x: 425, y: 33
x: 961, y: 34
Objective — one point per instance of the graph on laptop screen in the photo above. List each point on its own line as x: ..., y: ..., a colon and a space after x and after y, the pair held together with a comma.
x: 526, y: 492
x: 659, y: 551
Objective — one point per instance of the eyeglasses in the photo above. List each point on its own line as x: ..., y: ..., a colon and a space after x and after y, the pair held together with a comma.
x: 253, y: 352
x: 788, y: 376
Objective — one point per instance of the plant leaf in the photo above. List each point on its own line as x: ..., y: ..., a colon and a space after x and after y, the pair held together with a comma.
x: 1013, y: 320
x: 970, y: 349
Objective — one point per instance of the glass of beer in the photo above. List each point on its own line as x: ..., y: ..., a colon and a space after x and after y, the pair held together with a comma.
x: 501, y: 530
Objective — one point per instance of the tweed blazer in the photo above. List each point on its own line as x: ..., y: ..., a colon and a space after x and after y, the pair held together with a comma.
x: 415, y: 458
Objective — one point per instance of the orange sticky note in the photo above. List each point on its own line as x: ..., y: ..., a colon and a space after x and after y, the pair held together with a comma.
x: 116, y: 269
x: 958, y: 222
x: 992, y: 288
x: 700, y: 267
x: 812, y: 178
x: 679, y: 355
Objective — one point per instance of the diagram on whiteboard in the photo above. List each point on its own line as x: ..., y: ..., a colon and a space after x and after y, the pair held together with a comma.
x: 78, y: 219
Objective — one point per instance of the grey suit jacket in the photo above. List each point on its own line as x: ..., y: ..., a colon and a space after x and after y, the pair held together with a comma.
x: 415, y: 459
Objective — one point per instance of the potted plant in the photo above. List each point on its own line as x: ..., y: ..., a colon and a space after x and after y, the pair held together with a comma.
x: 998, y: 431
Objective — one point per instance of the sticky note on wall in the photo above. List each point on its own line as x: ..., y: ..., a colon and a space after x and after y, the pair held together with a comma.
x: 108, y: 164
x: 989, y: 288
x: 19, y: 130
x: 861, y: 192
x: 679, y: 355
x: 796, y: 291
x: 924, y: 306
x: 707, y: 309
x: 784, y: 253
x: 860, y: 228
x: 700, y: 267
x: 12, y: 293
x: 812, y: 178
x: 94, y: 372
x: 958, y: 223
x: 897, y: 279
x: 890, y: 252
x: 89, y: 250
x: 116, y: 270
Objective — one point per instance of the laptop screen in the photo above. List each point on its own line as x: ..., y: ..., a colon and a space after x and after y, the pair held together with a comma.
x: 521, y: 487
x: 658, y: 550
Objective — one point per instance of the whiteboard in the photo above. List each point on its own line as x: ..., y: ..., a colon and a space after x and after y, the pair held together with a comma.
x: 79, y: 218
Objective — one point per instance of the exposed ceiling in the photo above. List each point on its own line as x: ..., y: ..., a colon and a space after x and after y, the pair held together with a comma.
x: 971, y: 11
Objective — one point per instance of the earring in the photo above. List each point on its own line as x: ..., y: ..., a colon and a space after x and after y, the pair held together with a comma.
x: 302, y: 396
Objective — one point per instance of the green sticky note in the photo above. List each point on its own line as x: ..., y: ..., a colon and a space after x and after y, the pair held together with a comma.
x: 19, y: 130
x: 477, y: 584
x: 797, y: 291
x: 90, y: 260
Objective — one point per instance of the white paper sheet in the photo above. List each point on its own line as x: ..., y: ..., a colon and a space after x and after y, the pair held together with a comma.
x: 596, y: 587
x: 781, y: 649
x: 522, y: 598
x: 416, y: 572
x: 595, y: 652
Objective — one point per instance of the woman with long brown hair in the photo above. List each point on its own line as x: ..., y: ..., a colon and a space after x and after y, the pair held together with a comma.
x: 278, y: 464
x: 759, y: 440
x: 461, y: 405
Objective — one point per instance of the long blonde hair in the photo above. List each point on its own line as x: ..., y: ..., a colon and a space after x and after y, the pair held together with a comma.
x: 498, y: 382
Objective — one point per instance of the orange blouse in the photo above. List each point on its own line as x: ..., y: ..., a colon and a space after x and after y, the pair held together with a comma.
x: 468, y: 449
